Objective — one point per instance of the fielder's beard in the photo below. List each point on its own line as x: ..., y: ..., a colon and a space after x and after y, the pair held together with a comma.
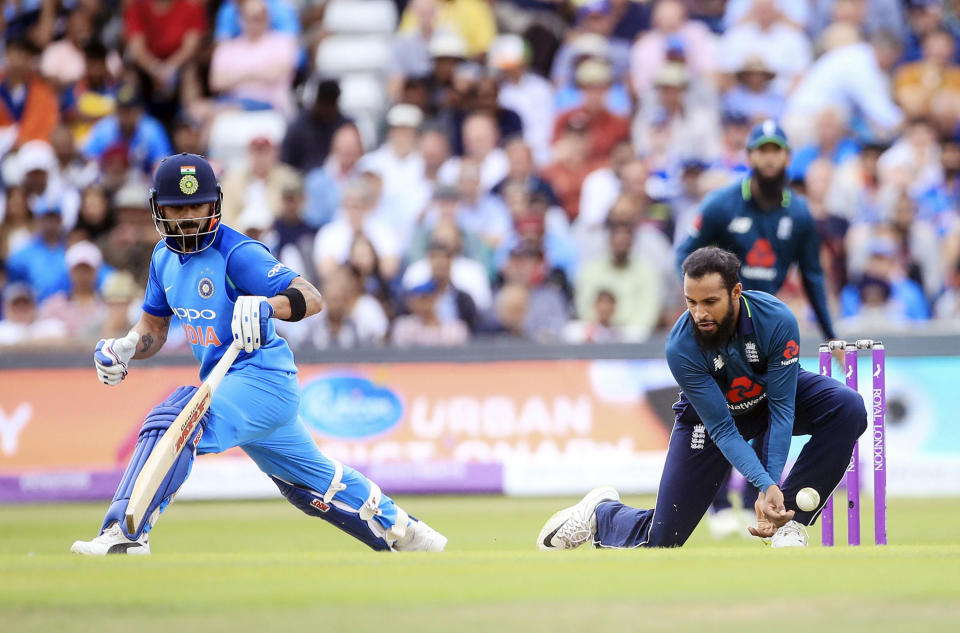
x: 722, y: 334
x: 771, y: 186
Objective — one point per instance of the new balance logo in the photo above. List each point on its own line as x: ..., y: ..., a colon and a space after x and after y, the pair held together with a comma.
x: 718, y: 363
x: 698, y: 436
x: 740, y: 225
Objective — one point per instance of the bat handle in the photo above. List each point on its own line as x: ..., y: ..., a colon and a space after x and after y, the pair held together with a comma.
x: 220, y: 369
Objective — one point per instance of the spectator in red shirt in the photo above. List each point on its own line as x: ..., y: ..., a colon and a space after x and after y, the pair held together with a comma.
x: 603, y: 128
x: 570, y: 166
x: 162, y: 36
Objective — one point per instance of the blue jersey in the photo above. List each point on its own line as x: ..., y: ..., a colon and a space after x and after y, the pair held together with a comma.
x: 757, y: 367
x: 766, y: 241
x: 201, y: 289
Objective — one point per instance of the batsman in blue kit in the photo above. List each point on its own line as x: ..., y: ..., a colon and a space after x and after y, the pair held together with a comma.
x: 735, y: 356
x: 225, y: 287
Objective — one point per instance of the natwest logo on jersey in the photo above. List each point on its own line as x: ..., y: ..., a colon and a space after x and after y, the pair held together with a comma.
x: 762, y: 254
x: 791, y: 349
x: 192, y: 314
x: 790, y: 353
x: 760, y: 262
x: 744, y: 393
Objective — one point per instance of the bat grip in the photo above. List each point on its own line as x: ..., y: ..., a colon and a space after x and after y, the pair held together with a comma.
x: 220, y: 369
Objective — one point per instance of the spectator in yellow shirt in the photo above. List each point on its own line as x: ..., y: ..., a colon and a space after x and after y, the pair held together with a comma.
x: 915, y: 84
x: 472, y: 19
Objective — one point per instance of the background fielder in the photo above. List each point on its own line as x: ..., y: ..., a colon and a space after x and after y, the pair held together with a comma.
x: 222, y: 286
x: 735, y: 355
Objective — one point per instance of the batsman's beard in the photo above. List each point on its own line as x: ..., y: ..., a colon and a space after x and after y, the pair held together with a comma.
x: 188, y: 237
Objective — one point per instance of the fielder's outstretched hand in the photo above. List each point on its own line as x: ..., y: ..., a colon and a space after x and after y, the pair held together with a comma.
x: 251, y: 314
x: 771, y: 513
x: 112, y: 355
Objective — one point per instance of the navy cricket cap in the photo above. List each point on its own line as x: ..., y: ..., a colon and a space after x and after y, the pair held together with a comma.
x: 185, y: 179
x: 767, y: 132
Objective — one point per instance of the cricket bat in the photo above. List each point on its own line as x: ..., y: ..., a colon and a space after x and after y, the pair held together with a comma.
x: 173, y: 440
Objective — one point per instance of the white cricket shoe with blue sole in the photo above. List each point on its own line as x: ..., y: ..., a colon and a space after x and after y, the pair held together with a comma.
x: 572, y: 527
x: 112, y: 541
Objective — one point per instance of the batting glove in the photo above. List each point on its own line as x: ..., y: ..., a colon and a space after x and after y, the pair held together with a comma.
x: 251, y: 315
x: 112, y: 355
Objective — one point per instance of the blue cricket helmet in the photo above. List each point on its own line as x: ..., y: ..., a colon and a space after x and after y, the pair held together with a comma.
x: 182, y: 180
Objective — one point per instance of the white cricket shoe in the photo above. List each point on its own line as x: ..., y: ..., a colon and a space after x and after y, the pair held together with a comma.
x: 420, y: 537
x: 112, y: 541
x: 572, y: 527
x: 792, y: 534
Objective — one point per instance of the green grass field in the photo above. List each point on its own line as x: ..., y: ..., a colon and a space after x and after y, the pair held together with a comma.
x: 263, y: 566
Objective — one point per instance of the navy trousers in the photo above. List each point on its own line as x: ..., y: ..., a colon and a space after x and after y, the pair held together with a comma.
x: 832, y: 414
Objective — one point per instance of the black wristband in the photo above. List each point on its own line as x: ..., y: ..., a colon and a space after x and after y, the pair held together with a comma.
x: 298, y: 305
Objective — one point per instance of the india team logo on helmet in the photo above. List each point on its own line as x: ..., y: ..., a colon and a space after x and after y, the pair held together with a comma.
x: 186, y: 180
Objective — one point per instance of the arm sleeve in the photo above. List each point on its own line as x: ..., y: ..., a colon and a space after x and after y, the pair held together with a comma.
x: 226, y: 22
x: 133, y: 23
x: 284, y: 18
x: 869, y: 90
x: 711, y: 405
x: 782, y: 371
x: 198, y: 19
x: 155, y: 299
x: 254, y: 271
x: 813, y: 281
x: 708, y: 231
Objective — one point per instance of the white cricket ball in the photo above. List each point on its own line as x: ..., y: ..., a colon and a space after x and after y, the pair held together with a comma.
x: 808, y: 499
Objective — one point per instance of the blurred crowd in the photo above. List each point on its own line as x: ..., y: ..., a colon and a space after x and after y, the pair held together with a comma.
x: 453, y: 170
